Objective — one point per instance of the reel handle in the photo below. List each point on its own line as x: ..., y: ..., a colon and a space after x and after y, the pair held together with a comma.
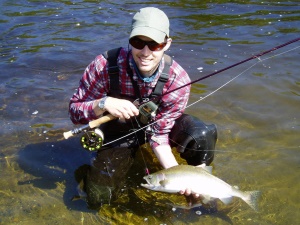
x: 92, y: 124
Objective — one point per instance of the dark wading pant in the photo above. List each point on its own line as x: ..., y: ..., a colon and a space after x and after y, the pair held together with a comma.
x: 194, y: 140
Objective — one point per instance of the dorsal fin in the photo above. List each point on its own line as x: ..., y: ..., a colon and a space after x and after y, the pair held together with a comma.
x: 208, y: 169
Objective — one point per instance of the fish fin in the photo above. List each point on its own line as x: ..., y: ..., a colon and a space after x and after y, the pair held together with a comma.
x: 205, y: 167
x: 227, y: 200
x: 206, y: 199
x: 208, y: 169
x: 251, y: 199
x: 164, y: 182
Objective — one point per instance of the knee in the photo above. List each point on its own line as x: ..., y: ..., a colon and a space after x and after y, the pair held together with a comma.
x: 194, y: 140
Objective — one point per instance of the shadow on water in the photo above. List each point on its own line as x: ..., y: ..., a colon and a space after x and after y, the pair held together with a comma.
x: 102, y: 181
x: 51, y: 163
x: 45, y: 47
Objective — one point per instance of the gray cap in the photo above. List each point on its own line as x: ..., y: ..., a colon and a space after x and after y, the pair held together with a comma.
x: 150, y: 22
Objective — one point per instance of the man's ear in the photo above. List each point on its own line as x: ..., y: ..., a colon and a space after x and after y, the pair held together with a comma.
x: 169, y: 41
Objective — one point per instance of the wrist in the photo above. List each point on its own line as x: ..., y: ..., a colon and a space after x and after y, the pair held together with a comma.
x: 101, y: 104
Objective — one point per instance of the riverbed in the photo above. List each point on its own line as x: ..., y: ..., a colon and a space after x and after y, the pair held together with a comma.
x: 45, y: 47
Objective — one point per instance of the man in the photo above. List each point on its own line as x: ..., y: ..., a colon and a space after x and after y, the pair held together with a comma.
x: 139, y: 70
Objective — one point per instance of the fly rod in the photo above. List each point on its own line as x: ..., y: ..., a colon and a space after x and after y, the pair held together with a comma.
x: 109, y: 117
x: 229, y: 67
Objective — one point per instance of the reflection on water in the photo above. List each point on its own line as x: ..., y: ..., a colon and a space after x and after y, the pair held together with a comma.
x: 45, y: 47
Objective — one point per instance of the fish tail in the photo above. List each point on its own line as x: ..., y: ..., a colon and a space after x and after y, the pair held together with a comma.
x: 251, y: 197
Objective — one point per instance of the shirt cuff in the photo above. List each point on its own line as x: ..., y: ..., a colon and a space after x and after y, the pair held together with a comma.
x: 156, y: 140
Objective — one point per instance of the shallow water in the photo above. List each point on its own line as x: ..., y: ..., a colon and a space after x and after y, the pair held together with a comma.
x: 45, y: 46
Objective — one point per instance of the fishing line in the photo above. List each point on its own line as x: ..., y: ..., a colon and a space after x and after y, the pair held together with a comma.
x: 212, y: 74
x: 260, y: 60
x: 202, y: 98
x: 231, y: 66
x: 138, y: 142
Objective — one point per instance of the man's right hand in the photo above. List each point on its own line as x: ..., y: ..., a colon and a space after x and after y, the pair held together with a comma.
x: 120, y: 108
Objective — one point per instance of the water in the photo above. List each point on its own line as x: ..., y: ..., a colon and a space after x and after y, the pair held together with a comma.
x: 45, y: 46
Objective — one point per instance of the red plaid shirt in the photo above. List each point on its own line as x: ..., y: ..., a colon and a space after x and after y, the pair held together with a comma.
x: 94, y: 84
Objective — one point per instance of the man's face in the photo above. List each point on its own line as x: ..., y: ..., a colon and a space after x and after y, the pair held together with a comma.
x: 146, y: 60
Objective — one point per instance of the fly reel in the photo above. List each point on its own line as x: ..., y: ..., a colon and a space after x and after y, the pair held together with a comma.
x: 147, y: 112
x: 92, y: 140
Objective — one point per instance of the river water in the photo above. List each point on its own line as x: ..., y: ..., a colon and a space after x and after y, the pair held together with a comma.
x: 46, y: 45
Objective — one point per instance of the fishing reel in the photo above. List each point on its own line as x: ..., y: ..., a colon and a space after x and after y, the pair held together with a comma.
x: 92, y: 140
x: 147, y: 112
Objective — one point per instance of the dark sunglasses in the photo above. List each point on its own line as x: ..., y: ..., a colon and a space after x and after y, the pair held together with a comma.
x: 140, y: 44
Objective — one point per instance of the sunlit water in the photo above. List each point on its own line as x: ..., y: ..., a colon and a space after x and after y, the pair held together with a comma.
x: 45, y: 46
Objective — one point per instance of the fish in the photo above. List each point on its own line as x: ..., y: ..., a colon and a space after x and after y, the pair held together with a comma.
x: 201, y: 181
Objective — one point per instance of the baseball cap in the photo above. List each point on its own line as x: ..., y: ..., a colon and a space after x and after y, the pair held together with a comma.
x: 150, y: 22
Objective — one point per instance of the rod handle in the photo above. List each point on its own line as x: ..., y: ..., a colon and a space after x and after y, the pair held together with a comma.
x: 68, y: 134
x: 92, y: 124
x: 102, y: 119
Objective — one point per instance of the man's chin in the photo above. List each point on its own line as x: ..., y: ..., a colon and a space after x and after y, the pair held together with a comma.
x: 145, y: 71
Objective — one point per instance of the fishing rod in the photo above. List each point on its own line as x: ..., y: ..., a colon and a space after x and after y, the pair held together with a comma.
x: 93, y: 140
x: 229, y: 67
x: 202, y: 98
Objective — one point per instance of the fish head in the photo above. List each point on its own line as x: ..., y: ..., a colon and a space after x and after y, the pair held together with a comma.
x: 153, y: 181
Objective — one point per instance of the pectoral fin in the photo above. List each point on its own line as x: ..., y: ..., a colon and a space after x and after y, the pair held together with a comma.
x: 164, y: 183
x: 206, y: 199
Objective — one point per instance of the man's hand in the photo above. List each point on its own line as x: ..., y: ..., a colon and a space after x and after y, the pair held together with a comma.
x: 120, y: 108
x: 191, y: 197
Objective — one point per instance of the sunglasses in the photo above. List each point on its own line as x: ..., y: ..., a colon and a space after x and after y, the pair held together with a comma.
x: 140, y: 44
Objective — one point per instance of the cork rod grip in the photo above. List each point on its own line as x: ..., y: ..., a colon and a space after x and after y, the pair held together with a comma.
x: 103, y: 119
x: 92, y: 124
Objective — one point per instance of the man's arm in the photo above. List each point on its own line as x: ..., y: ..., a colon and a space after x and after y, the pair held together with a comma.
x: 165, y: 156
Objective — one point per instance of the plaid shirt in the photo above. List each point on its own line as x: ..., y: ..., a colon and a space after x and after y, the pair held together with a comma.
x: 94, y: 84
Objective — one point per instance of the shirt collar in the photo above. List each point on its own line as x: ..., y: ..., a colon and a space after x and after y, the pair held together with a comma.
x: 145, y: 79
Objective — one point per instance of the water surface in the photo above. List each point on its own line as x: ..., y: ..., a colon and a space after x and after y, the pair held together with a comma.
x: 46, y: 45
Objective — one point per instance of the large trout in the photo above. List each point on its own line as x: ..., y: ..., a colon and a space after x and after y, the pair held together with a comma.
x: 200, y: 181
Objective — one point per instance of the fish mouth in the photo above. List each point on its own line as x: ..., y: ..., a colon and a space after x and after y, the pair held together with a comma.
x: 148, y: 185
